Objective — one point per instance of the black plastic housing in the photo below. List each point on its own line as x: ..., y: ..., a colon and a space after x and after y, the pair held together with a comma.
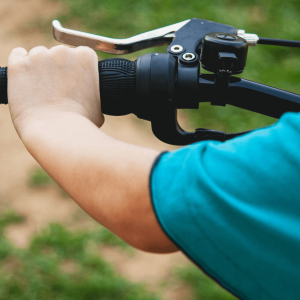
x: 214, y: 43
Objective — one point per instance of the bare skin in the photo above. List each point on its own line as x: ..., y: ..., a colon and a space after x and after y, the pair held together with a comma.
x: 54, y: 102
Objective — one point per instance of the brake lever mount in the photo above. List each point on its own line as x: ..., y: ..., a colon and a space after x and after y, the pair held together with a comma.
x: 158, y: 37
x: 169, y: 81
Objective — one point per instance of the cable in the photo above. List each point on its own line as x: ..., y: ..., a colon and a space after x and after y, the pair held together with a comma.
x: 277, y: 42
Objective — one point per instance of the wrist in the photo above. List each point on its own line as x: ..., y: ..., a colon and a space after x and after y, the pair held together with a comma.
x: 36, y: 125
x: 31, y: 116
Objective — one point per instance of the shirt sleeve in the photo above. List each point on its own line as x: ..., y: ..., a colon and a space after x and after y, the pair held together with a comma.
x: 234, y: 208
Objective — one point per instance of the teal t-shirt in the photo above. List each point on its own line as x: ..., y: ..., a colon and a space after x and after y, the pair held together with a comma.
x: 234, y: 208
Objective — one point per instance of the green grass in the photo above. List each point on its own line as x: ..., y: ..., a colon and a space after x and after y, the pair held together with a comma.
x: 65, y: 265
x: 39, y: 178
x: 203, y: 288
x: 62, y: 265
x: 7, y: 218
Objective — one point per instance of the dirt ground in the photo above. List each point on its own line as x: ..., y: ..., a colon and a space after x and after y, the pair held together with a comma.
x: 42, y: 206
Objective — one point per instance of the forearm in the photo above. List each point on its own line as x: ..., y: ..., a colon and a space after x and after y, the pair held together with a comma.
x: 106, y: 177
x: 55, y: 106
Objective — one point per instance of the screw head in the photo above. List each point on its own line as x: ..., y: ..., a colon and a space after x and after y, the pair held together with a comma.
x: 177, y: 48
x: 188, y: 56
x: 227, y: 37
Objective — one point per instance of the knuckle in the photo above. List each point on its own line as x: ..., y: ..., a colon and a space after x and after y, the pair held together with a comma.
x: 17, y: 50
x: 60, y: 49
x: 87, y: 52
x: 38, y: 51
x: 84, y: 49
x: 39, y: 48
x: 16, y: 55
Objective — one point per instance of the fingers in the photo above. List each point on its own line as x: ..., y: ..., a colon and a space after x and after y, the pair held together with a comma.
x: 16, y: 54
x: 37, y: 49
x: 21, y: 52
x: 60, y: 54
x: 87, y: 55
x: 86, y: 50
x: 61, y: 48
x: 83, y: 51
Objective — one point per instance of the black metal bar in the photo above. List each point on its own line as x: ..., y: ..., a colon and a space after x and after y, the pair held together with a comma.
x: 250, y: 95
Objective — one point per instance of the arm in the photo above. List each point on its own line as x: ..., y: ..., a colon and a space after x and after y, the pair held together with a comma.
x: 55, y: 106
x: 234, y: 209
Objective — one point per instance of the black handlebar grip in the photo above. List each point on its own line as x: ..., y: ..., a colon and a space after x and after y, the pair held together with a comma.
x: 3, y: 86
x: 117, y: 86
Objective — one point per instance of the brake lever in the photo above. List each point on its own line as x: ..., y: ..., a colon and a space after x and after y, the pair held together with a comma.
x: 158, y: 37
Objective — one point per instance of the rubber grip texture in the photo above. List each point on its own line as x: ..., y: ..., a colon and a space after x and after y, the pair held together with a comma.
x: 3, y: 86
x: 117, y: 86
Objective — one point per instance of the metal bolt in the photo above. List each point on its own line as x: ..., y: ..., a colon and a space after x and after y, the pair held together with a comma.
x: 188, y: 56
x: 251, y: 38
x: 177, y: 48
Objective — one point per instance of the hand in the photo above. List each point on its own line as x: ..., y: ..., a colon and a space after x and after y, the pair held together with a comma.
x: 43, y: 82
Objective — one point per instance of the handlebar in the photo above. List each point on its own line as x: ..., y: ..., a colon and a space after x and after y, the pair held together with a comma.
x: 155, y: 85
x: 138, y: 86
x: 117, y: 86
x: 3, y: 86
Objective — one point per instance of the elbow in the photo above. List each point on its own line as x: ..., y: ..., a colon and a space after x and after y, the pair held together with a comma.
x: 156, y: 247
x: 147, y: 238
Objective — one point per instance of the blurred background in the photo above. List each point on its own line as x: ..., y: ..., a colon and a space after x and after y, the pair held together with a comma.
x: 49, y: 248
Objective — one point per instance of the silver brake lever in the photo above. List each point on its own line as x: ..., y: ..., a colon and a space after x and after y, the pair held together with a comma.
x: 158, y: 37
